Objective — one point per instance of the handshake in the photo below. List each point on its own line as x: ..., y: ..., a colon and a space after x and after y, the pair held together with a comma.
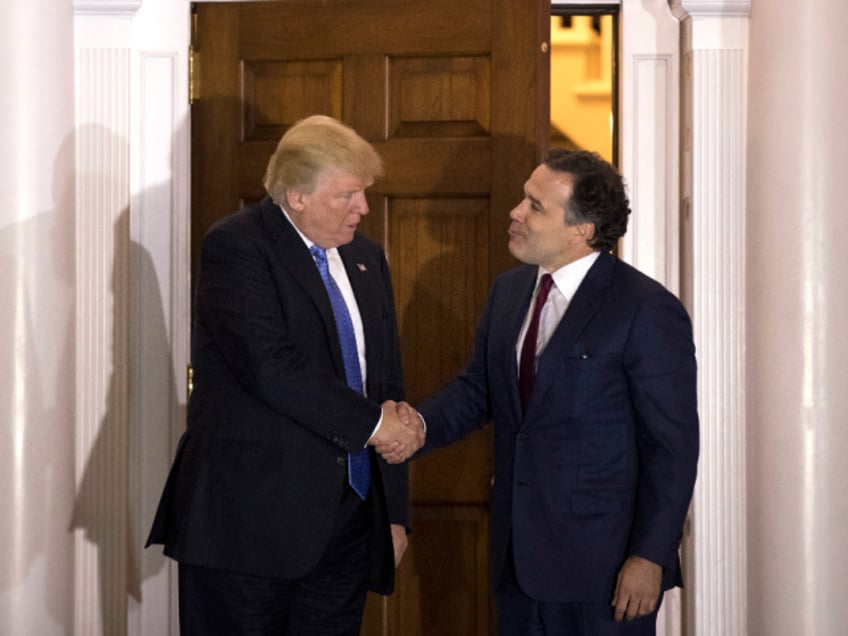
x: 401, y: 432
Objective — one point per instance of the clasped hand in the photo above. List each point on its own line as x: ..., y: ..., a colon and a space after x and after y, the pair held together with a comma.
x: 401, y: 432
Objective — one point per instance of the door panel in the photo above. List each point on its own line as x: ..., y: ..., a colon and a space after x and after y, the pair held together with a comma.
x: 454, y: 96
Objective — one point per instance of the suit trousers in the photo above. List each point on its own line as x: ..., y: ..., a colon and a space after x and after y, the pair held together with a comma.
x: 520, y: 615
x: 329, y: 601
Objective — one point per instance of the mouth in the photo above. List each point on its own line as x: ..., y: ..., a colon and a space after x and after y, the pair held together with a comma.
x: 353, y: 221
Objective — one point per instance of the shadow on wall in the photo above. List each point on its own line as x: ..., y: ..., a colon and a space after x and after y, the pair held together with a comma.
x: 130, y: 446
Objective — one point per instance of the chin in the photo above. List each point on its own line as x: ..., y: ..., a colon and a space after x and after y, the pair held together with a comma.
x: 515, y: 251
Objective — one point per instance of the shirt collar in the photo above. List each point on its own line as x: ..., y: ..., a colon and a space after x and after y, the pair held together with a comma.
x: 568, y: 277
x: 309, y: 244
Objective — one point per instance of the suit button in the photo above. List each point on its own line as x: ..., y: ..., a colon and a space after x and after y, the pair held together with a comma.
x: 340, y: 461
x: 521, y: 437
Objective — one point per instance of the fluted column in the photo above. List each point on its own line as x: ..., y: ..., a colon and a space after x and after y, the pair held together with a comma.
x: 37, y: 326
x: 103, y: 543
x: 797, y: 313
x: 714, y: 260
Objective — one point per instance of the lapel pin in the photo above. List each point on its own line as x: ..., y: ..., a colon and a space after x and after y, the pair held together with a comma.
x: 361, y: 267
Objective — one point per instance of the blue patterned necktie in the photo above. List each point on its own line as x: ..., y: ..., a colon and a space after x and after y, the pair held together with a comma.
x: 358, y: 464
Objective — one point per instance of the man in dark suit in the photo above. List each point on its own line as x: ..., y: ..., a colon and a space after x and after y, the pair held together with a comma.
x: 593, y: 402
x: 278, y: 509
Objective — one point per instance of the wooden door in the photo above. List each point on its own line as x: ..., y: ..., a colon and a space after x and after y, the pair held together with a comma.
x: 454, y: 96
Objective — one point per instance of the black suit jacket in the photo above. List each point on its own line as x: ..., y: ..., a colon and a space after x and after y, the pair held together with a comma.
x: 602, y: 464
x: 259, y: 473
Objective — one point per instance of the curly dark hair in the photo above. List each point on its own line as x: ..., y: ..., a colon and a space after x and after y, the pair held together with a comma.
x: 598, y: 195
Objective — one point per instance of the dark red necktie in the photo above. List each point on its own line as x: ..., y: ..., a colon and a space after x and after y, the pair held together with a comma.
x: 527, y: 361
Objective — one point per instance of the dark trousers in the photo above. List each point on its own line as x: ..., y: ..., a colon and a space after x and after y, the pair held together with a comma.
x: 520, y: 615
x: 329, y: 601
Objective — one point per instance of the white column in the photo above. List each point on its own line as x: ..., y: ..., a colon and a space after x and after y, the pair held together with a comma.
x: 715, y: 46
x: 37, y: 326
x: 797, y: 313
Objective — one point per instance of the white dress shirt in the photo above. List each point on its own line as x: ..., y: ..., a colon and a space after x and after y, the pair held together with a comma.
x: 566, y: 281
x: 339, y: 274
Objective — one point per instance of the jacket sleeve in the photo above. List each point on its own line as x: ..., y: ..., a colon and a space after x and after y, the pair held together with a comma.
x: 661, y: 371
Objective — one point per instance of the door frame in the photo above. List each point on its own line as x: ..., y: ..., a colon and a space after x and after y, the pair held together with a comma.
x: 152, y: 91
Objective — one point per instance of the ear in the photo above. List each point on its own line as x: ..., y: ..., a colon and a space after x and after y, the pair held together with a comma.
x: 294, y: 198
x: 586, y: 231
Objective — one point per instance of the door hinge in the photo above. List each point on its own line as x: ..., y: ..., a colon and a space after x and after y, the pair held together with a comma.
x: 192, y: 75
x: 189, y: 381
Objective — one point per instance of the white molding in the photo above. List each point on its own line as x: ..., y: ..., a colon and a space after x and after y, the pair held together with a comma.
x: 698, y: 8
x: 649, y: 144
x: 106, y: 7
x: 159, y: 279
x: 649, y: 137
x: 141, y: 105
x: 160, y: 234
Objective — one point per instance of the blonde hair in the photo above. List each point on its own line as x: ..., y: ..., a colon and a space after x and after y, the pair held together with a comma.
x: 314, y: 145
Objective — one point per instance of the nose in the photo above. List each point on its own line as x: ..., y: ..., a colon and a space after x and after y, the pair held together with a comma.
x: 518, y: 213
x: 360, y: 203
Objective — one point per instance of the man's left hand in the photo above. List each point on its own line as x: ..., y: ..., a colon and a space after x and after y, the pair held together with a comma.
x: 637, y: 589
x: 399, y: 541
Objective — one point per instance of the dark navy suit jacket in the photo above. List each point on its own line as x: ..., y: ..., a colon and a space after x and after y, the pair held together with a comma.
x: 603, y: 463
x: 258, y: 475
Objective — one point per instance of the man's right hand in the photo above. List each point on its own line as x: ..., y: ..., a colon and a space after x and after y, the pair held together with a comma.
x: 401, y: 432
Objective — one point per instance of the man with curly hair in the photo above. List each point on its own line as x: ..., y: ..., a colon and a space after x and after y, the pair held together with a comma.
x: 586, y: 367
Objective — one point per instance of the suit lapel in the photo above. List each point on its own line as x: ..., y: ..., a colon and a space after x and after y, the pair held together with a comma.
x: 368, y: 300
x: 519, y: 296
x: 294, y: 256
x: 580, y: 311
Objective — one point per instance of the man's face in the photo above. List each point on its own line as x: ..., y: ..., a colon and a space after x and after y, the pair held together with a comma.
x: 538, y: 234
x: 328, y: 215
